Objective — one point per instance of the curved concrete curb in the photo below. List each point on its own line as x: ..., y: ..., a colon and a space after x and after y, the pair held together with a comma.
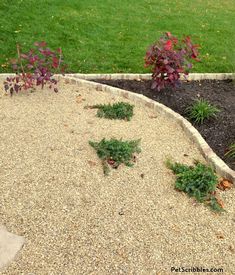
x: 193, y: 76
x: 10, y: 245
x: 218, y: 164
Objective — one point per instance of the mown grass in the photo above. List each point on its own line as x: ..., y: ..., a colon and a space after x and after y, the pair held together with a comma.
x: 112, y: 35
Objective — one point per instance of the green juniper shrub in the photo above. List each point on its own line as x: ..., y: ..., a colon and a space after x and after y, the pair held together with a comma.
x: 198, y: 181
x: 214, y: 205
x: 231, y: 151
x: 119, y: 110
x: 113, y: 152
x: 201, y: 110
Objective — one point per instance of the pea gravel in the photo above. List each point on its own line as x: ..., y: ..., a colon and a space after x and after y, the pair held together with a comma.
x: 75, y: 220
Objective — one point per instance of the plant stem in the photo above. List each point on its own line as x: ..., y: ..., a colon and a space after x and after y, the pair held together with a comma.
x: 19, y: 57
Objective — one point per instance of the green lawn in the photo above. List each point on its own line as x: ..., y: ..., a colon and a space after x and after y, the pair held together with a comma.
x: 113, y: 35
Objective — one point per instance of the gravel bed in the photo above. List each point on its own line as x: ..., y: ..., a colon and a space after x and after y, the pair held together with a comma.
x: 75, y: 220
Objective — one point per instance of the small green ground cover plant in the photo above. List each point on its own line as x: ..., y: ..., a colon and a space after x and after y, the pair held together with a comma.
x: 231, y: 151
x: 119, y: 110
x: 201, y: 110
x: 114, y: 152
x: 198, y: 181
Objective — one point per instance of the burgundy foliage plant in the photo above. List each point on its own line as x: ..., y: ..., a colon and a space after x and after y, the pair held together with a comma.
x: 169, y: 57
x: 35, y: 68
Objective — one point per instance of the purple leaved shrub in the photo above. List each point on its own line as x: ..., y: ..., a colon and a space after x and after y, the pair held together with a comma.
x: 169, y: 57
x: 35, y: 68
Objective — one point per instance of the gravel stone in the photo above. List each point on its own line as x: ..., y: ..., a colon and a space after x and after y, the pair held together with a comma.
x: 77, y: 221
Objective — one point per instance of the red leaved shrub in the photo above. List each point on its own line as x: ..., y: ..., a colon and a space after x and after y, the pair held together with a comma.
x: 169, y: 57
x: 35, y: 68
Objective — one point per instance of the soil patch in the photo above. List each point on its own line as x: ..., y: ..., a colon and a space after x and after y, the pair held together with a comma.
x: 219, y: 133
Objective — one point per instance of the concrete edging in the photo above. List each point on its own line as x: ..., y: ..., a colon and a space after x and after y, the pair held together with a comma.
x: 10, y: 245
x: 193, y: 76
x: 217, y: 163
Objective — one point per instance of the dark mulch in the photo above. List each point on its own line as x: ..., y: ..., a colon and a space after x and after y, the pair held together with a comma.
x: 220, y: 132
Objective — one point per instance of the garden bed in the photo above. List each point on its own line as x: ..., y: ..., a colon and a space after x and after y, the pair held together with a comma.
x: 220, y: 132
x: 74, y: 219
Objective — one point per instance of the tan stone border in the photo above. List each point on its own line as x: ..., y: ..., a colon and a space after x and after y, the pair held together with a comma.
x: 193, y: 76
x: 218, y: 164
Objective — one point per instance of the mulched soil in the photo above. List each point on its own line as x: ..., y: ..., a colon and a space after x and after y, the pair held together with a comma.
x: 220, y: 132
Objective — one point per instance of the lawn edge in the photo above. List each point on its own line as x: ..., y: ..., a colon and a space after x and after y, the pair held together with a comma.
x: 217, y: 163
